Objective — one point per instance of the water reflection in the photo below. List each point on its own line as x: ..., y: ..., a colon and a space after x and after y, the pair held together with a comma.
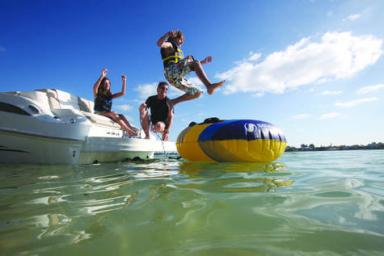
x: 235, y: 177
x: 199, y: 167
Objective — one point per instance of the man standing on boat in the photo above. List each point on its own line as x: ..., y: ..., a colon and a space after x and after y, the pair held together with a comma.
x: 161, y: 116
x: 176, y: 67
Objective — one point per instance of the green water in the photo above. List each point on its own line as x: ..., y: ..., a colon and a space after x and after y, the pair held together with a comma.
x: 307, y: 203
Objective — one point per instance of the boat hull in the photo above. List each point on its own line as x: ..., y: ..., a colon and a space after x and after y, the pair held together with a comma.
x: 99, y: 149
x: 17, y: 148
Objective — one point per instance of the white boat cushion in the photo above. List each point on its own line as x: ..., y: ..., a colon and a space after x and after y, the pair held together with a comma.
x: 85, y: 105
x: 40, y: 97
x: 67, y: 101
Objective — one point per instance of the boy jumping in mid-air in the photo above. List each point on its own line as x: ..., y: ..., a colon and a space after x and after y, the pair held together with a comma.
x: 176, y: 67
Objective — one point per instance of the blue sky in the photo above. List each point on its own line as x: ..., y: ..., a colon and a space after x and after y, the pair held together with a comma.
x: 312, y: 68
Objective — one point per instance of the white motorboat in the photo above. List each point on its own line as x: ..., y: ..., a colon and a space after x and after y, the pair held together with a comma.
x: 50, y: 126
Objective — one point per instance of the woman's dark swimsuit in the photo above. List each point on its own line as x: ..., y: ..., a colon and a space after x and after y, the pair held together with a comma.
x: 103, y: 101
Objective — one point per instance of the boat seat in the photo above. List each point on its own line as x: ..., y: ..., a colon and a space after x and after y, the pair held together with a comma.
x: 53, y: 100
x: 62, y: 100
x: 85, y: 105
x: 39, y: 97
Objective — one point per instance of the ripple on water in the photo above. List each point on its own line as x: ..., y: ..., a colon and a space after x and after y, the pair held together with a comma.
x: 316, y: 203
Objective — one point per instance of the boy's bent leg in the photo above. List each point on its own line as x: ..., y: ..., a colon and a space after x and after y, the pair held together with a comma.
x: 211, y: 89
x: 185, y: 97
x: 191, y: 91
x: 198, y: 68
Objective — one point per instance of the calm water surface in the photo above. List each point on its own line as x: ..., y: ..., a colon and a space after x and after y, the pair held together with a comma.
x: 307, y: 203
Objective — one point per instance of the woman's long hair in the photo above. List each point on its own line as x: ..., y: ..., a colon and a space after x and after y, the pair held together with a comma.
x: 102, y: 88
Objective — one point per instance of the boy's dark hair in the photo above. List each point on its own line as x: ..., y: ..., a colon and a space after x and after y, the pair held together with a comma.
x: 179, y: 34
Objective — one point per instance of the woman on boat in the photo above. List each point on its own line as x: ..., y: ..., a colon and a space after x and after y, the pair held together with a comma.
x: 103, y: 101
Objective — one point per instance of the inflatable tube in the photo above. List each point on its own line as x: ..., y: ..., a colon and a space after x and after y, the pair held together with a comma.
x: 231, y: 141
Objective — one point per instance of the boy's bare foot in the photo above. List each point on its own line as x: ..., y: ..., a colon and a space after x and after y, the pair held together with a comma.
x: 212, y: 88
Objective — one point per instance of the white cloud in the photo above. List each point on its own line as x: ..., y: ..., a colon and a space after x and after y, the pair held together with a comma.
x: 146, y: 90
x: 353, y: 103
x: 254, y: 56
x: 353, y: 17
x: 331, y: 92
x: 258, y: 95
x: 124, y: 107
x: 300, y: 116
x: 370, y: 89
x: 329, y: 115
x: 335, y: 56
